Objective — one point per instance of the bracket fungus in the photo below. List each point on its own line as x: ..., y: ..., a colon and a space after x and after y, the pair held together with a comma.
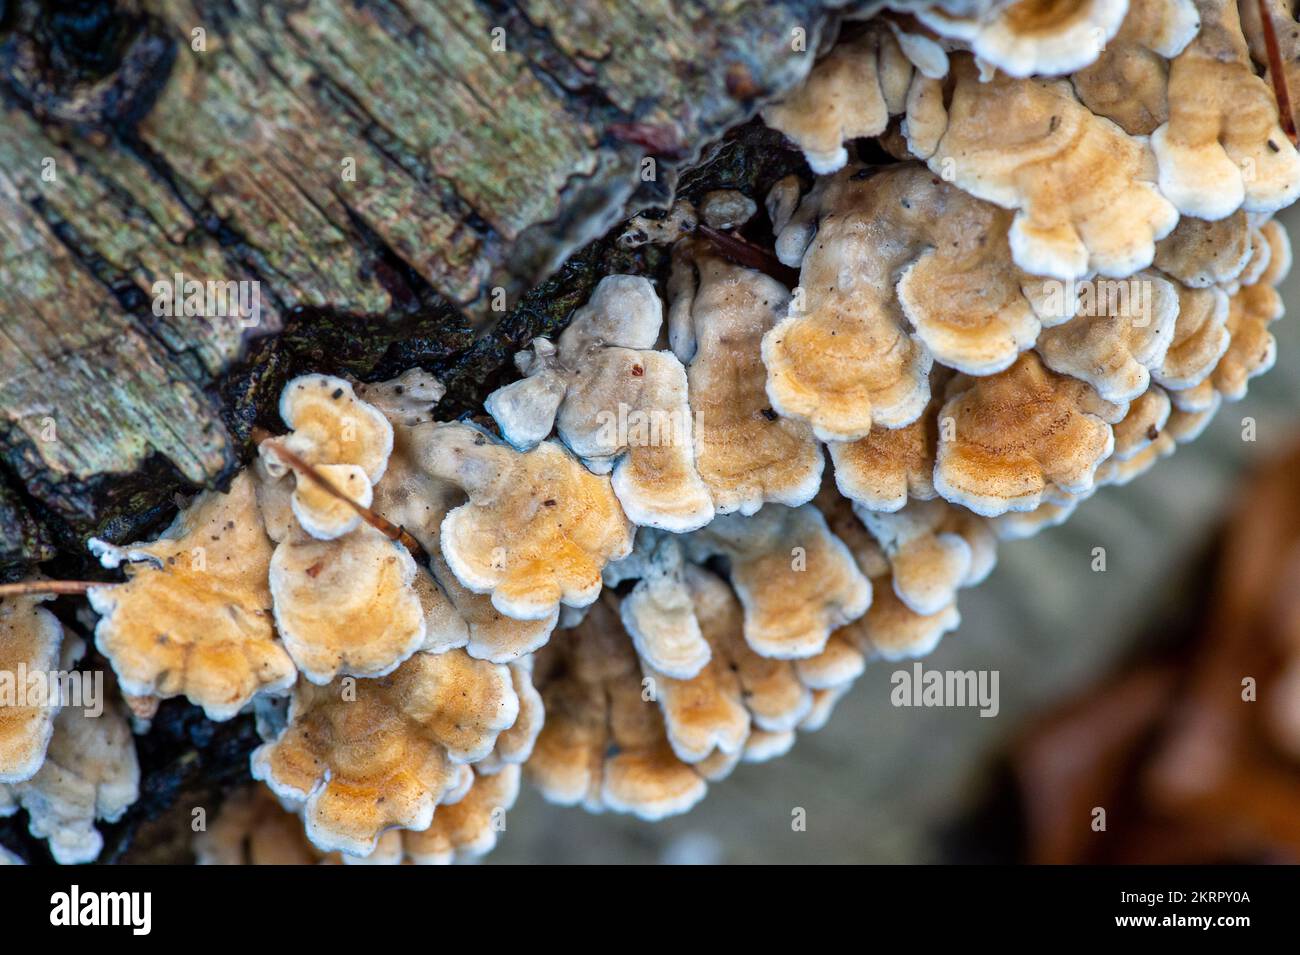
x: 902, y: 270
x: 490, y: 634
x: 1029, y: 145
x: 407, y: 400
x: 346, y: 441
x: 253, y: 828
x: 537, y: 529
x: 1142, y: 426
x: 1124, y: 336
x: 890, y: 629
x: 797, y: 580
x: 746, y: 454
x: 933, y: 549
x: 1252, y: 349
x: 843, y: 358
x: 1223, y: 147
x: 770, y: 689
x: 411, y: 497
x: 1200, y: 338
x: 515, y: 743
x: 194, y: 616
x: 890, y: 466
x: 708, y: 717
x: 90, y: 773
x: 30, y: 641
x: 1128, y: 81
x: 1141, y: 438
x: 363, y: 756
x: 1032, y: 37
x: 1200, y: 253
x: 346, y: 606
x: 603, y: 745
x: 780, y: 696
x: 849, y: 93
x: 1018, y: 434
x: 620, y: 735
x: 726, y: 208
x: 617, y: 403
x: 408, y: 495
x: 658, y: 611
x: 467, y: 828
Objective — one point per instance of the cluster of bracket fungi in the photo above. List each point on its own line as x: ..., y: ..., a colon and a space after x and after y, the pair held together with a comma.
x: 647, y: 573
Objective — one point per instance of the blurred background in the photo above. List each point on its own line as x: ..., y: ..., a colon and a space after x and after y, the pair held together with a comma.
x: 1120, y: 690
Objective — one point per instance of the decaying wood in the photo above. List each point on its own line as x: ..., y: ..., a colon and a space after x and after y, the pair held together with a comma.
x: 372, y: 160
